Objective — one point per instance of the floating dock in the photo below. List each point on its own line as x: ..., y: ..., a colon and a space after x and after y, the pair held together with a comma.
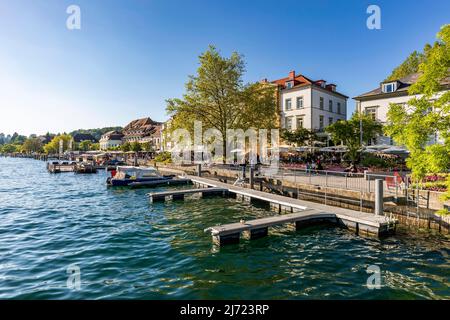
x: 59, y: 167
x: 299, y: 212
x: 179, y: 194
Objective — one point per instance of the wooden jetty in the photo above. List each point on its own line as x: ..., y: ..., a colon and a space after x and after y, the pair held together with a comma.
x: 57, y: 167
x: 158, y: 183
x: 85, y: 168
x: 179, y: 194
x: 299, y: 212
x: 230, y: 233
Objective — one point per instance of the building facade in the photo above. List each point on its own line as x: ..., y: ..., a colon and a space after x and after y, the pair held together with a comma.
x: 111, y: 139
x: 310, y: 104
x: 376, y: 103
x: 139, y: 130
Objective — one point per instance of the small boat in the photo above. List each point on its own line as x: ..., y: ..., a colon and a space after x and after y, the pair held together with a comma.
x: 126, y: 175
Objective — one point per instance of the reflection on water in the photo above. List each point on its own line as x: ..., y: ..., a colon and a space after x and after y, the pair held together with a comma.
x: 127, y: 247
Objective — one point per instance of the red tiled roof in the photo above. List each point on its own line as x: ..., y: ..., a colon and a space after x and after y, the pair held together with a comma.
x: 301, y: 80
x: 298, y: 80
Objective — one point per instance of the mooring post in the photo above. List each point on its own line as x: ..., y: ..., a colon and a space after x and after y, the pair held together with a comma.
x: 252, y: 177
x: 199, y: 170
x: 379, y: 197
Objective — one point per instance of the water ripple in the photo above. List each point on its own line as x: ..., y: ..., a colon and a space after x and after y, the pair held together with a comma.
x: 128, y: 248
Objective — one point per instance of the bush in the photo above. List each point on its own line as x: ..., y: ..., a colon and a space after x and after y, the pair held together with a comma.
x: 164, y: 157
x: 372, y: 161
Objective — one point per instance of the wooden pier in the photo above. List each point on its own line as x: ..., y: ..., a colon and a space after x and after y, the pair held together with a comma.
x: 61, y: 167
x: 179, y: 194
x: 230, y: 233
x: 299, y: 212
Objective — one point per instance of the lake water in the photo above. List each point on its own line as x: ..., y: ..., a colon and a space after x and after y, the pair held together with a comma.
x: 128, y: 248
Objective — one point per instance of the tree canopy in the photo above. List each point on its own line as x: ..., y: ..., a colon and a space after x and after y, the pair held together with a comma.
x: 53, y: 146
x: 427, y: 115
x: 32, y: 145
x: 218, y: 98
x: 409, y: 66
x: 300, y: 136
x: 348, y: 132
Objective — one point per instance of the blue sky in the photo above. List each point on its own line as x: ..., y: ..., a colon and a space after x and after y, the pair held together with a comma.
x: 130, y: 56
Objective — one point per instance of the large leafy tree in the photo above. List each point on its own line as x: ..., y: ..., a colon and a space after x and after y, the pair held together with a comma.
x: 32, y: 145
x: 427, y: 114
x: 218, y: 97
x: 53, y: 146
x: 136, y: 146
x: 85, y: 145
x: 9, y: 148
x: 410, y: 65
x: 300, y: 136
x: 349, y: 132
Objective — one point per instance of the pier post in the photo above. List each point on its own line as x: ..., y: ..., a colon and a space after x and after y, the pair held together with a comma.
x: 252, y: 177
x: 379, y: 197
x: 222, y: 240
x: 199, y: 170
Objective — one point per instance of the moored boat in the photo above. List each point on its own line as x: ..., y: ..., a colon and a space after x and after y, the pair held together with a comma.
x: 126, y: 175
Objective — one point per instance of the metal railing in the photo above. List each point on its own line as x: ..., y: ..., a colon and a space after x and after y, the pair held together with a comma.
x: 363, y: 182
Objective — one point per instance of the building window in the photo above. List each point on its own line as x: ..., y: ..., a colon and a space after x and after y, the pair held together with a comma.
x: 288, y: 123
x: 299, y: 122
x: 288, y: 104
x: 320, y: 122
x: 330, y: 121
x: 389, y: 87
x: 339, y: 108
x: 289, y: 84
x: 299, y: 102
x: 372, y: 112
x: 330, y: 105
x: 321, y: 103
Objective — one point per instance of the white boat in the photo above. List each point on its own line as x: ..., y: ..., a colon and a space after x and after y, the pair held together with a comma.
x: 125, y: 175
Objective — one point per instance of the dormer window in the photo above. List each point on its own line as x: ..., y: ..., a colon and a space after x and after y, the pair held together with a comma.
x: 289, y: 84
x: 389, y: 87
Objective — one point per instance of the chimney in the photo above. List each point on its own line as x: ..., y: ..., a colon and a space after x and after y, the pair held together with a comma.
x: 292, y: 75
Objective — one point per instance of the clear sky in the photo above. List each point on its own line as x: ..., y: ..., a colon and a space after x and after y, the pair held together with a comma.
x: 130, y: 56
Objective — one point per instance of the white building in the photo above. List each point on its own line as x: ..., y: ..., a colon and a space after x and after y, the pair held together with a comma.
x: 111, y: 139
x: 309, y: 104
x: 376, y: 102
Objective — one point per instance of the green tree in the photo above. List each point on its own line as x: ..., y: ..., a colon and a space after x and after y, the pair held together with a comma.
x: 85, y: 145
x: 218, y: 98
x: 125, y: 147
x: 409, y: 66
x: 348, y: 132
x: 53, y: 146
x: 32, y: 145
x: 300, y: 136
x: 17, y: 138
x: 95, y: 146
x: 136, y: 147
x: 147, y: 146
x: 9, y: 148
x: 427, y: 114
